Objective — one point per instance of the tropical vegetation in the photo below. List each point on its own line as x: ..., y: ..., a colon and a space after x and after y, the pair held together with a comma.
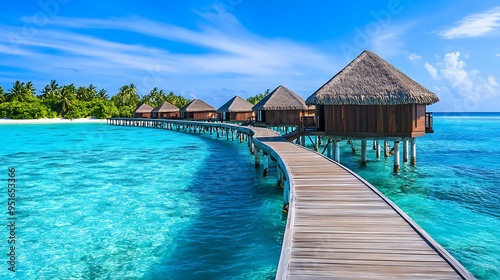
x: 258, y: 97
x: 70, y: 101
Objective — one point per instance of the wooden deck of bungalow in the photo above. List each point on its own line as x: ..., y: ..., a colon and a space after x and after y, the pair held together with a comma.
x: 339, y: 226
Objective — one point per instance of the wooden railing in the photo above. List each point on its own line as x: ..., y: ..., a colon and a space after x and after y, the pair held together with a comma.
x: 429, y: 123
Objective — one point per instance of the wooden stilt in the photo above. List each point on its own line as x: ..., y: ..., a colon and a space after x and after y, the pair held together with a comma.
x: 386, y: 148
x: 396, y: 156
x: 266, y: 165
x: 413, y: 151
x: 336, y: 144
x: 378, y: 149
x: 405, y: 150
x: 250, y: 145
x: 329, y: 149
x: 363, y: 151
x: 279, y: 176
x: 257, y: 157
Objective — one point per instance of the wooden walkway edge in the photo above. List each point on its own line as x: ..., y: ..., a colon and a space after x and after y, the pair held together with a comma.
x: 339, y: 226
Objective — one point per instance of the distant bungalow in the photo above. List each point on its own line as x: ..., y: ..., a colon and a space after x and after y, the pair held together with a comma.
x: 236, y: 109
x: 165, y: 111
x: 143, y: 111
x: 371, y: 99
x: 282, y: 107
x: 198, y: 110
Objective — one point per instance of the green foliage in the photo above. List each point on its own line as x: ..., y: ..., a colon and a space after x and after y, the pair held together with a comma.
x: 256, y: 98
x: 22, y: 92
x: 156, y: 98
x: 3, y: 96
x: 74, y: 102
x: 24, y: 110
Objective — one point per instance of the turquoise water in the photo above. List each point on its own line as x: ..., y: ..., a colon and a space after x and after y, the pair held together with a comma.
x: 453, y: 192
x: 98, y: 201
x: 105, y: 202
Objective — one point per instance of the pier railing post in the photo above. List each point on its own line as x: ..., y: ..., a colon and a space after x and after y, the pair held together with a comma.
x: 257, y: 157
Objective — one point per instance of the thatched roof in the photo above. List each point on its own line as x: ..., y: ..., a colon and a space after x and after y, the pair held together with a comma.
x: 166, y: 107
x: 197, y: 105
x: 370, y: 80
x: 144, y: 108
x: 281, y: 99
x: 236, y: 104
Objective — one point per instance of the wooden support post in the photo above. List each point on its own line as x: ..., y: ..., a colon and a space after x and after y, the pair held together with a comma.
x: 363, y: 151
x: 257, y: 157
x: 278, y: 175
x: 336, y: 144
x: 396, y: 156
x: 386, y: 148
x: 251, y: 145
x: 329, y: 148
x: 303, y: 140
x: 266, y: 164
x: 352, y: 147
x: 413, y: 151
x: 405, y: 150
x: 316, y: 144
x: 378, y: 149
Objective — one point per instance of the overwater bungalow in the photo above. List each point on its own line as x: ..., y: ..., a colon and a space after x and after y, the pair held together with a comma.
x: 371, y: 99
x: 143, y: 111
x: 198, y: 110
x: 165, y: 111
x: 236, y: 109
x: 282, y: 108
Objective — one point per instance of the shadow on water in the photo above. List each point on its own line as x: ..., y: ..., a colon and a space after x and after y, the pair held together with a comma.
x: 238, y: 231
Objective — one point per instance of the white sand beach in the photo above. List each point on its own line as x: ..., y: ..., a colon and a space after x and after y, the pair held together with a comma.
x: 52, y: 121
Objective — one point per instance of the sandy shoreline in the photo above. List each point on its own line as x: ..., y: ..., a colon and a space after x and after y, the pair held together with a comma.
x: 51, y: 121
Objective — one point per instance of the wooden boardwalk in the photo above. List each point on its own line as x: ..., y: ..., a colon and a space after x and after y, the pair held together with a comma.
x: 341, y: 227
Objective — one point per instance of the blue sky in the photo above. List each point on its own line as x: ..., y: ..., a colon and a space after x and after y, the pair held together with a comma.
x: 216, y: 49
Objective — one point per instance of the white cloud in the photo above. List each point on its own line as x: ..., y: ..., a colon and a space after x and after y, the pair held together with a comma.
x: 432, y: 70
x: 474, y: 90
x: 492, y: 81
x: 474, y: 25
x: 454, y: 71
x: 497, y: 55
x: 414, y: 57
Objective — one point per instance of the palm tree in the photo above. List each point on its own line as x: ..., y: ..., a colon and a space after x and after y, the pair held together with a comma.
x: 102, y: 95
x: 92, y: 92
x: 16, y: 92
x: 51, y: 90
x: 82, y: 94
x: 66, y: 98
x: 127, y: 96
